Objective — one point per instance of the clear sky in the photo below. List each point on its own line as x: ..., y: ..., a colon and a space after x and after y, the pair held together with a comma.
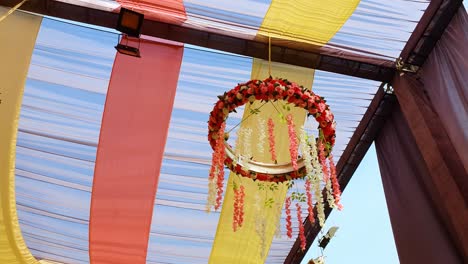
x: 365, y: 233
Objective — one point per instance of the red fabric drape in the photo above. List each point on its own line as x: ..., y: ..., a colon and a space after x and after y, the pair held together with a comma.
x: 130, y: 151
x: 422, y: 155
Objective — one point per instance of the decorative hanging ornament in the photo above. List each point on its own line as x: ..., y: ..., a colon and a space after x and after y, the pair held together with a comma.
x: 312, y: 166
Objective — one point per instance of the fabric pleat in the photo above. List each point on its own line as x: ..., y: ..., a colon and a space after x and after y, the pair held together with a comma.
x: 131, y: 146
x: 18, y: 34
x: 315, y: 21
x: 245, y: 245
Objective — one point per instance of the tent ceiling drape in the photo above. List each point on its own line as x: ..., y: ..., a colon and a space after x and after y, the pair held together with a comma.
x: 64, y: 99
x: 59, y: 130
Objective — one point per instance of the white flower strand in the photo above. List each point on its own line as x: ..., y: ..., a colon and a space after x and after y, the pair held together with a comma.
x: 305, y: 148
x: 210, y: 203
x: 247, y: 145
x: 239, y: 139
x: 330, y: 198
x: 262, y: 129
x: 279, y: 211
x: 260, y: 222
x: 317, y: 175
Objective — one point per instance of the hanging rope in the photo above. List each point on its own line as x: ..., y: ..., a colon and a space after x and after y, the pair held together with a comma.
x: 13, y: 9
x: 269, y: 55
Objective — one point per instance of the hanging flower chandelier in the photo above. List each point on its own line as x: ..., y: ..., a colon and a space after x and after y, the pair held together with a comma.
x: 315, y: 166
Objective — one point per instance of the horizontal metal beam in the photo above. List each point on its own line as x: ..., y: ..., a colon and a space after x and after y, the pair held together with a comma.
x: 290, y: 52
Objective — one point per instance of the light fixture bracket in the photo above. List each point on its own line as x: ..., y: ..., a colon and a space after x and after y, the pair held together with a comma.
x: 123, y: 47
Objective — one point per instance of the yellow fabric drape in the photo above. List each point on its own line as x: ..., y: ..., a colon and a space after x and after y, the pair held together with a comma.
x: 312, y: 21
x: 18, y: 34
x: 244, y: 246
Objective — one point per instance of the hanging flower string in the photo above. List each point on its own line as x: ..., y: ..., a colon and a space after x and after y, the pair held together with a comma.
x: 216, y: 177
x: 235, y: 216
x: 241, y: 205
x: 271, y: 138
x: 288, y: 217
x: 329, y: 191
x: 306, y: 153
x: 262, y: 129
x: 292, y: 141
x: 310, y: 205
x: 336, y: 185
x: 211, y: 194
x: 218, y: 164
x: 238, y: 216
x: 247, y: 144
x: 301, y: 226
x: 279, y: 209
x: 323, y: 161
x: 316, y: 177
x: 260, y: 222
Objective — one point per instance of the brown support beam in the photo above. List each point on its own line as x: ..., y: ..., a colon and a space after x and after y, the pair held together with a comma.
x: 430, y: 28
x: 290, y: 52
x: 367, y: 130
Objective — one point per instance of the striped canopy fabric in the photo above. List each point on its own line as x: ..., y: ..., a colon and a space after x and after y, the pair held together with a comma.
x: 59, y: 130
x: 65, y: 96
x: 376, y: 28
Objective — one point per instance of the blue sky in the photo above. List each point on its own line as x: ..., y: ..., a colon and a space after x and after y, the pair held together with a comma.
x: 365, y: 233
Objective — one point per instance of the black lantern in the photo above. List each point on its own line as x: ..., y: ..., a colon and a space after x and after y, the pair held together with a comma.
x: 129, y: 23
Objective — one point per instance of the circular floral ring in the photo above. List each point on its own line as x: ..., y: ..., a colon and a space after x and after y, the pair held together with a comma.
x: 269, y: 90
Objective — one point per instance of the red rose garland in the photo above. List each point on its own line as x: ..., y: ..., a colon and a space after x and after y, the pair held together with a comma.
x: 272, y: 90
x: 269, y: 90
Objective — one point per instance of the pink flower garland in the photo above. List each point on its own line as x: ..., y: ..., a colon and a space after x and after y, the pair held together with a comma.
x: 336, y: 185
x: 310, y: 205
x: 293, y: 142
x: 218, y: 163
x: 271, y: 138
x: 235, y: 220
x: 288, y: 217
x: 241, y: 205
x: 301, y: 226
x: 238, y: 216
